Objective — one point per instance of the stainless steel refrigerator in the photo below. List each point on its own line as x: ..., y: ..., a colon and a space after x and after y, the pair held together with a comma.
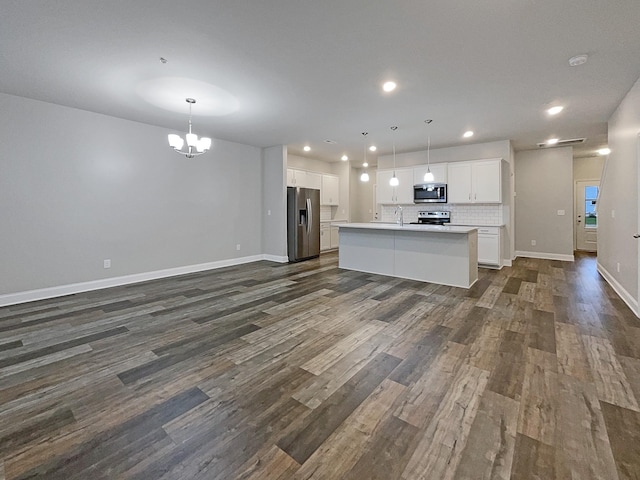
x: 303, y: 223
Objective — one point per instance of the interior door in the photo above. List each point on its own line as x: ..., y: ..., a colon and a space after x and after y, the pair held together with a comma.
x: 586, y: 226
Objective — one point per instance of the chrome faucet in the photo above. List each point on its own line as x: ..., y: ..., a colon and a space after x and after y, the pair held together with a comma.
x: 398, y: 214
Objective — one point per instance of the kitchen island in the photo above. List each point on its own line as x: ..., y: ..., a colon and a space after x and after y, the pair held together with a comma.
x: 447, y: 255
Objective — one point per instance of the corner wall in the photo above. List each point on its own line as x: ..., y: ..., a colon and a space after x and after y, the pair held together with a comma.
x: 618, y: 206
x: 77, y: 188
x: 274, y: 203
x: 544, y: 185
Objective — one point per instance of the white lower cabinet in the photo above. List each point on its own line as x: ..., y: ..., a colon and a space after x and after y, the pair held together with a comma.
x: 329, y: 236
x: 489, y: 246
x: 325, y: 236
x: 335, y: 237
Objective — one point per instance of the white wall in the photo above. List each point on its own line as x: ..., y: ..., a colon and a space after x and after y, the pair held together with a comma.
x: 544, y: 185
x: 274, y: 203
x: 619, y: 196
x: 589, y: 168
x: 77, y: 187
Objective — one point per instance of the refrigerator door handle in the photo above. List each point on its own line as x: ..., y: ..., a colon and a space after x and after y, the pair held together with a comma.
x: 309, y: 216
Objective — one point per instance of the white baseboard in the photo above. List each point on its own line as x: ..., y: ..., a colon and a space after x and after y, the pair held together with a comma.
x: 626, y: 297
x: 545, y: 256
x: 506, y: 262
x: 275, y: 258
x: 62, y: 290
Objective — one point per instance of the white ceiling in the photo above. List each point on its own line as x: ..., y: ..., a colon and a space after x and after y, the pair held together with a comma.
x: 299, y: 72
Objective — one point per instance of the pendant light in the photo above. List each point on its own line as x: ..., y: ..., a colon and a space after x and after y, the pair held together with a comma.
x: 195, y: 146
x: 365, y: 176
x: 428, y: 177
x: 394, y: 182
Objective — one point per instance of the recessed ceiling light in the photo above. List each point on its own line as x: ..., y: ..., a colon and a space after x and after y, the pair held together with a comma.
x: 389, y: 86
x: 578, y: 59
x: 604, y: 151
x: 372, y: 148
x: 365, y: 164
x: 555, y: 110
x: 307, y: 148
x: 468, y: 134
x: 552, y: 141
x: 344, y: 158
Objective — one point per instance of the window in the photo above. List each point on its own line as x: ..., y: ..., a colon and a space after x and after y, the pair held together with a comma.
x: 590, y: 214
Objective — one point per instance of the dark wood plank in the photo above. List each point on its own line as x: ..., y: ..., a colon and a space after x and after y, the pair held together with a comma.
x: 132, y: 375
x: 542, y: 331
x: 532, y: 460
x: 59, y: 347
x: 325, y: 419
x: 623, y: 426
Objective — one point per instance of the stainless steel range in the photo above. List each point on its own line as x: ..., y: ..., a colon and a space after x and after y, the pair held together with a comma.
x: 433, y: 218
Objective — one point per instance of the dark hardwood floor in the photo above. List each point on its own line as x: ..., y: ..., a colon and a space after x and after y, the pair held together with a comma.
x: 267, y: 371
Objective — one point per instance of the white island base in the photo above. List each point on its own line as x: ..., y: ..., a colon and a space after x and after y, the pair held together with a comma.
x: 447, y: 255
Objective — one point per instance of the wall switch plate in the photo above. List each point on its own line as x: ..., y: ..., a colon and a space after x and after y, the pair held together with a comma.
x: 238, y: 246
x: 613, y: 214
x: 107, y: 263
x: 618, y: 267
x: 533, y: 243
x: 268, y: 212
x: 560, y: 212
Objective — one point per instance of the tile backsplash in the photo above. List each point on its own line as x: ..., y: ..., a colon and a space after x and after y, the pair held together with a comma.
x: 325, y: 213
x: 474, y: 214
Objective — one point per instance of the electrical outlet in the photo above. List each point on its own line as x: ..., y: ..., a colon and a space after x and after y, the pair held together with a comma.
x: 533, y: 243
x: 613, y: 214
x: 618, y: 267
x: 560, y: 212
x: 107, y: 263
x: 238, y: 247
x: 268, y: 212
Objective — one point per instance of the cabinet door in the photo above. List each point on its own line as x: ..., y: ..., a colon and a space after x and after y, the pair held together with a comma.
x: 385, y: 193
x: 439, y: 171
x: 325, y: 237
x: 313, y: 180
x: 291, y: 177
x: 404, y: 190
x: 459, y: 183
x: 335, y: 237
x: 330, y: 191
x: 489, y: 249
x: 486, y: 180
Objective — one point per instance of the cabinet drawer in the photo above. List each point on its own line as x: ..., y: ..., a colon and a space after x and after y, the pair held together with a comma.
x: 489, y: 230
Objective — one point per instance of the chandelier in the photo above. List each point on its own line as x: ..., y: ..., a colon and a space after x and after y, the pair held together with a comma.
x: 195, y: 147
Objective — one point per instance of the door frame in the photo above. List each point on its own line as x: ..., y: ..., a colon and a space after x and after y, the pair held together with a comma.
x: 575, y: 205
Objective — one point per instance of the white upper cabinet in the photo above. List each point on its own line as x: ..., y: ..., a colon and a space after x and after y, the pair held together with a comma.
x: 313, y: 180
x: 487, y: 181
x: 330, y: 191
x: 439, y: 171
x: 300, y: 178
x: 475, y: 182
x: 403, y: 193
x: 291, y: 177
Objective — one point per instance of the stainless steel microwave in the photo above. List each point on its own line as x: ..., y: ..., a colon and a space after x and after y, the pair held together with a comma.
x: 430, y: 193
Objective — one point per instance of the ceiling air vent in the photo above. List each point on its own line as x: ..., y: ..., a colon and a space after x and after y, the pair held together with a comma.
x: 563, y: 143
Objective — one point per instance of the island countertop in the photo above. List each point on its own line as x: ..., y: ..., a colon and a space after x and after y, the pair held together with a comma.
x: 446, y: 254
x: 407, y: 227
